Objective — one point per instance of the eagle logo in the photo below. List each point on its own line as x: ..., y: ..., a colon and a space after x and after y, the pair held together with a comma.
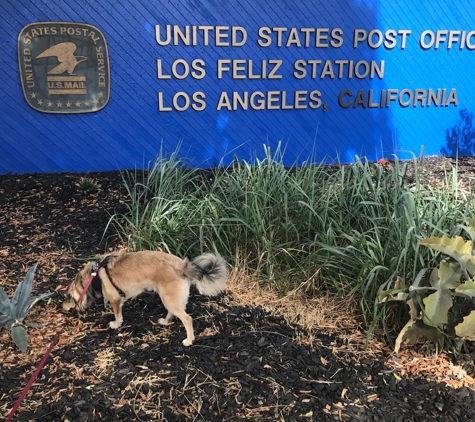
x: 64, y: 52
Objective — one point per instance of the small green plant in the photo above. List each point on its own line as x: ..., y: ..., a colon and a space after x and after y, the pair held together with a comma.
x: 87, y: 185
x: 442, y: 305
x: 15, y: 311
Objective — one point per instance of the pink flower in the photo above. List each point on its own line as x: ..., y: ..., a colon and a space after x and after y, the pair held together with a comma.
x: 384, y: 162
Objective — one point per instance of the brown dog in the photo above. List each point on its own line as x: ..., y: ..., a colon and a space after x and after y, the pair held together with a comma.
x: 123, y: 275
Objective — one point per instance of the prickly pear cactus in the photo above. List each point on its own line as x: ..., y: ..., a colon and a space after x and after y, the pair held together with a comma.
x: 442, y: 303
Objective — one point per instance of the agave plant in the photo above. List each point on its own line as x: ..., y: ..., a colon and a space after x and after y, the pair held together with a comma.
x: 15, y: 311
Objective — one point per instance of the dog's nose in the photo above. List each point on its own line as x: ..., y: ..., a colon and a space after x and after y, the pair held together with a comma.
x: 67, y: 305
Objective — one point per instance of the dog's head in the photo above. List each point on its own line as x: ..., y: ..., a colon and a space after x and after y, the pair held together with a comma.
x: 76, y: 288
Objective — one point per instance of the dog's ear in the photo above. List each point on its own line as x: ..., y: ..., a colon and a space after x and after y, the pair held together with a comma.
x: 83, y: 276
x: 88, y: 268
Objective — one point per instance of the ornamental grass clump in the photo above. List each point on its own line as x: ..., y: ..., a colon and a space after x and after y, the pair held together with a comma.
x: 349, y: 229
x: 163, y: 207
x: 14, y: 312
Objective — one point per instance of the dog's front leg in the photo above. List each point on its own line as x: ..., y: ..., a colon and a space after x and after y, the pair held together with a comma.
x: 117, y: 309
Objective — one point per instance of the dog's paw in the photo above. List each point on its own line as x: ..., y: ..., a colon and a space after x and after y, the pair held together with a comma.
x: 187, y: 342
x: 115, y: 324
x: 163, y: 321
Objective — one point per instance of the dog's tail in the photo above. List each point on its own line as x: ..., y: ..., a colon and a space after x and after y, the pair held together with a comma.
x: 209, y: 273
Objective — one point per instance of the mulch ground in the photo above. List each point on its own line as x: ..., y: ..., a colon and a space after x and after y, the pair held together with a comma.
x: 245, y: 364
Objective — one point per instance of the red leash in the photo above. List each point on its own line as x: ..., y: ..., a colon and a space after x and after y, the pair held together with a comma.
x: 48, y: 352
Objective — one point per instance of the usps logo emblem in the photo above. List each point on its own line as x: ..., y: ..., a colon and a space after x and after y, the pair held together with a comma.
x: 64, y: 67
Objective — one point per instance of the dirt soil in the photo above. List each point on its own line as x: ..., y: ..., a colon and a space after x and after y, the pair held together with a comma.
x: 246, y: 363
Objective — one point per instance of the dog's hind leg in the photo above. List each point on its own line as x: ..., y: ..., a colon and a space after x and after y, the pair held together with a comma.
x: 188, y: 323
x: 117, y: 309
x: 167, y: 320
x: 177, y: 308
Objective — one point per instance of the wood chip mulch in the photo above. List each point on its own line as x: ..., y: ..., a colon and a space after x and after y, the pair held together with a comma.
x: 246, y: 364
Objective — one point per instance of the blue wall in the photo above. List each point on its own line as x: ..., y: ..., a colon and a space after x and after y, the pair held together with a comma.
x: 130, y: 130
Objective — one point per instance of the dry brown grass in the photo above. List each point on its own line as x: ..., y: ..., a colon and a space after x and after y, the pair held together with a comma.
x: 326, y: 313
x: 104, y: 362
x: 342, y: 317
